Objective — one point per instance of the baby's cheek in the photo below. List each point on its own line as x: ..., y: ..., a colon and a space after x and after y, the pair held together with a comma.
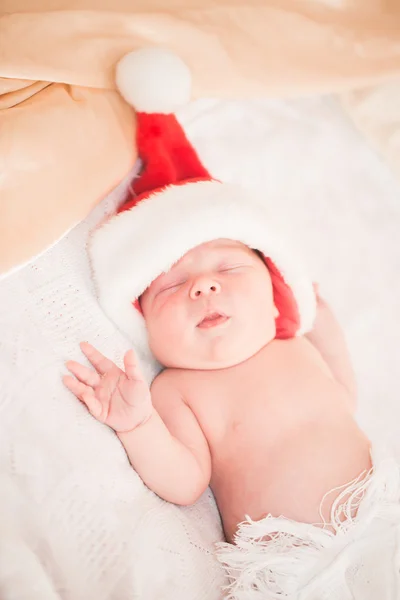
x: 174, y: 309
x: 159, y: 338
x: 167, y: 304
x: 175, y: 300
x: 167, y: 339
x: 170, y: 323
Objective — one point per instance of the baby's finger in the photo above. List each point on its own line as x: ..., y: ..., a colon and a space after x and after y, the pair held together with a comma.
x: 93, y: 404
x: 76, y: 387
x: 100, y: 362
x: 132, y: 369
x: 84, y: 374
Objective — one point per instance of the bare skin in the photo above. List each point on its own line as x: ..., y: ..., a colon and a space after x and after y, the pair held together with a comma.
x: 271, y: 428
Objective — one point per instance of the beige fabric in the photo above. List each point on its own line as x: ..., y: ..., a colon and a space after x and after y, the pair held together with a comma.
x: 376, y: 111
x: 62, y: 147
x: 61, y: 150
x: 231, y: 46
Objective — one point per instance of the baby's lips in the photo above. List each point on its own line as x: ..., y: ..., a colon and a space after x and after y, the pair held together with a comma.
x: 212, y: 319
x: 209, y: 316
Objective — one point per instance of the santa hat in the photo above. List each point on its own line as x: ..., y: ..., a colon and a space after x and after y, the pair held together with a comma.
x: 176, y: 205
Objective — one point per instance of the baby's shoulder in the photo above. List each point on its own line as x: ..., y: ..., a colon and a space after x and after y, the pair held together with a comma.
x: 165, y: 379
x: 171, y: 380
x: 185, y: 383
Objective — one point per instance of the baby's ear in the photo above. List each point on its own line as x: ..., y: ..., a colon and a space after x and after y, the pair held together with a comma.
x: 276, y: 312
x: 136, y: 303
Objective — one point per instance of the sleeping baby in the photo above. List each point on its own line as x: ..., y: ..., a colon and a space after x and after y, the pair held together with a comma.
x: 253, y: 395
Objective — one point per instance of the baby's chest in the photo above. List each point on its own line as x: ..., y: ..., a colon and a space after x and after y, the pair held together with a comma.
x: 225, y: 403
x: 254, y: 404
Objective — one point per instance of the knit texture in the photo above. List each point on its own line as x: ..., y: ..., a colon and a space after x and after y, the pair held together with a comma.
x: 76, y: 522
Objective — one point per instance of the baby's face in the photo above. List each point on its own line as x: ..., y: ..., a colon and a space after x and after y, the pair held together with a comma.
x: 213, y: 309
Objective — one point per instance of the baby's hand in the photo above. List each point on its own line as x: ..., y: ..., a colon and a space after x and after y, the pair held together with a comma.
x: 121, y: 400
x: 316, y: 290
x: 321, y: 303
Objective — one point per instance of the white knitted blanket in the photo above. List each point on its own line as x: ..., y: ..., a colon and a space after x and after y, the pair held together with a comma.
x: 76, y: 523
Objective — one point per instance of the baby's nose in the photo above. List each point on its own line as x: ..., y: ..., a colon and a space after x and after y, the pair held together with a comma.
x: 203, y: 286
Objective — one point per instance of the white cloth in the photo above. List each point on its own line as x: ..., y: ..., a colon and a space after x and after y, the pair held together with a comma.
x: 75, y: 521
x: 357, y: 559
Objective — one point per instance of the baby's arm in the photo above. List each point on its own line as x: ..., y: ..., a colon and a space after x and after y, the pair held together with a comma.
x: 169, y: 451
x: 159, y: 432
x: 328, y: 338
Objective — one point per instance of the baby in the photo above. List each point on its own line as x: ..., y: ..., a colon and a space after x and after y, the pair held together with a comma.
x: 267, y: 423
x: 256, y: 396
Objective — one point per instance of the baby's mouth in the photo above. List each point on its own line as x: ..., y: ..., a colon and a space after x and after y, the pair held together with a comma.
x: 212, y: 320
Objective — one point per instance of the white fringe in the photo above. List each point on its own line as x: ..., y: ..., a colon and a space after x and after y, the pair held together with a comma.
x: 277, y: 559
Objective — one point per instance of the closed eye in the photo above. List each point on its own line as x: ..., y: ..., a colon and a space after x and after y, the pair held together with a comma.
x: 171, y: 286
x: 226, y: 268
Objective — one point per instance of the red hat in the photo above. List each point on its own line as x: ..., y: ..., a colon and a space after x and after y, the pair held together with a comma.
x: 176, y: 205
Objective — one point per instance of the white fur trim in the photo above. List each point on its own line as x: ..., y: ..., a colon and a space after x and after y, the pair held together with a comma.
x: 135, y: 247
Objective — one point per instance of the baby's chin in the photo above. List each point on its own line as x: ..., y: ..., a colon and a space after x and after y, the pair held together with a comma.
x: 211, y: 361
x: 196, y: 364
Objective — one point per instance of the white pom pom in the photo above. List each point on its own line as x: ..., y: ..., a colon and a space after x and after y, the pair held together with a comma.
x: 153, y: 80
